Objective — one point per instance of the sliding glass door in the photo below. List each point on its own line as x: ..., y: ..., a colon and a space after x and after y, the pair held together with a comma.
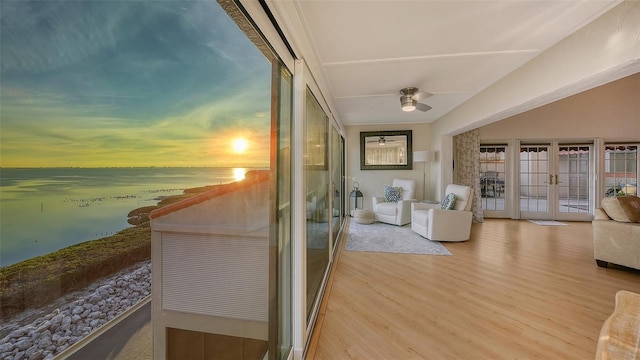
x: 317, y: 194
x: 337, y: 185
x: 280, y: 290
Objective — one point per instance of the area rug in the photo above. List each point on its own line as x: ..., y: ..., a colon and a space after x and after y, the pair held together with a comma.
x: 380, y: 237
x: 547, y: 223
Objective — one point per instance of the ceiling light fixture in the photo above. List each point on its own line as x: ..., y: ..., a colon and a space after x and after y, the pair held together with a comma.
x: 408, y: 104
x: 409, y: 98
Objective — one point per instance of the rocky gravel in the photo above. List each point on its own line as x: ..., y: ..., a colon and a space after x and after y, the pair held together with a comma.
x: 44, y: 333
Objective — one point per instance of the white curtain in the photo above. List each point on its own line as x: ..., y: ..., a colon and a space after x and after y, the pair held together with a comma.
x: 466, y: 170
x: 386, y: 156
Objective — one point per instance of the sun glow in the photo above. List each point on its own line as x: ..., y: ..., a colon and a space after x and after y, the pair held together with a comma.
x: 240, y: 145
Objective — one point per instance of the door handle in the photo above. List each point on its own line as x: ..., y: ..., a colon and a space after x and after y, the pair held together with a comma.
x: 550, y: 179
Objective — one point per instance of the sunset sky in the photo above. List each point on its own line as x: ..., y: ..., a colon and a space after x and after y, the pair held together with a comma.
x: 129, y: 83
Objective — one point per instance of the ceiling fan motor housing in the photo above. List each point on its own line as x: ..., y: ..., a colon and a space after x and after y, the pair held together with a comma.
x: 407, y: 103
x: 409, y: 91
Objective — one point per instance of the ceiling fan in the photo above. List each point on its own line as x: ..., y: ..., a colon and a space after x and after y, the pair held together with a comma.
x: 381, y: 140
x: 409, y: 99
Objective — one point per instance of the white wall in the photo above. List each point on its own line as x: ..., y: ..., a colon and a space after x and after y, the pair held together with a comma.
x: 610, y: 111
x: 372, y: 181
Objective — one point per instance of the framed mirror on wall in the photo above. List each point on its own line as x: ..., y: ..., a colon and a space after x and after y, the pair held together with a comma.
x: 386, y: 150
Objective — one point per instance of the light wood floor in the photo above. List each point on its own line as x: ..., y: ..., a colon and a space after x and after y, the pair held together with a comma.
x: 515, y: 290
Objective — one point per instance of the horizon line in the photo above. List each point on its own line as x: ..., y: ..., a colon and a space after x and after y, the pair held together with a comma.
x: 133, y: 167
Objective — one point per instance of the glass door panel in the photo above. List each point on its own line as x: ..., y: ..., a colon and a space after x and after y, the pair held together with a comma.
x: 573, y: 182
x: 336, y: 184
x: 284, y: 258
x: 318, y: 204
x: 534, y: 182
x: 493, y: 179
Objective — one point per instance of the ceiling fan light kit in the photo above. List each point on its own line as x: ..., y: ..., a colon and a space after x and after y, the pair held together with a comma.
x: 409, y: 99
x: 407, y: 103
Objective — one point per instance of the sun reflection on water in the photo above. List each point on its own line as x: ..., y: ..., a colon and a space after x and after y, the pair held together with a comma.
x: 238, y: 173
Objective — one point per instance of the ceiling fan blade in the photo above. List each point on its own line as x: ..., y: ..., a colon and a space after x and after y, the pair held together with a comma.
x: 380, y: 140
x: 421, y: 95
x: 423, y: 107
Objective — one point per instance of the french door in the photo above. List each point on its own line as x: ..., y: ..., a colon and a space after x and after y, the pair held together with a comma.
x: 556, y: 181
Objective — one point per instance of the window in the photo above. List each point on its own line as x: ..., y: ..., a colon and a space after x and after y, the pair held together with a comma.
x: 492, y: 176
x: 110, y: 108
x: 621, y: 169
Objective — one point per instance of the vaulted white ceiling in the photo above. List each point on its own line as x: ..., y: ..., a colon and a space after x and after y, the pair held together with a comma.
x: 368, y: 50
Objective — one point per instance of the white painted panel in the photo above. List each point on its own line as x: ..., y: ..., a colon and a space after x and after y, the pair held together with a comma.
x: 216, y: 276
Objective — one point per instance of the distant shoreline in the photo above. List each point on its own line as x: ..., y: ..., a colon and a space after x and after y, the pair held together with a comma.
x: 47, y: 209
x: 41, y: 280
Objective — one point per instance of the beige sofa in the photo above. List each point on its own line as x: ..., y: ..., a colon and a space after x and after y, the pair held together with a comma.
x: 616, y: 239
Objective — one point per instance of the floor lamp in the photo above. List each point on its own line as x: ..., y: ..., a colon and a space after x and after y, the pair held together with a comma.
x: 423, y: 156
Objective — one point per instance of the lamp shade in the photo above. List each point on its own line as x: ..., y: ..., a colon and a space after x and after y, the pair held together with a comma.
x: 422, y: 156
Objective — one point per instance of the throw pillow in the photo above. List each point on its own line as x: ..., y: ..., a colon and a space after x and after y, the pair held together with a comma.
x: 449, y: 202
x: 392, y: 194
x: 631, y: 206
x: 613, y: 208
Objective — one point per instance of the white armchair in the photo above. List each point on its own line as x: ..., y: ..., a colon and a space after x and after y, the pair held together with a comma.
x: 396, y: 213
x: 437, y: 224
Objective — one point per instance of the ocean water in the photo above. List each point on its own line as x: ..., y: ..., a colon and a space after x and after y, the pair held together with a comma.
x: 43, y: 210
